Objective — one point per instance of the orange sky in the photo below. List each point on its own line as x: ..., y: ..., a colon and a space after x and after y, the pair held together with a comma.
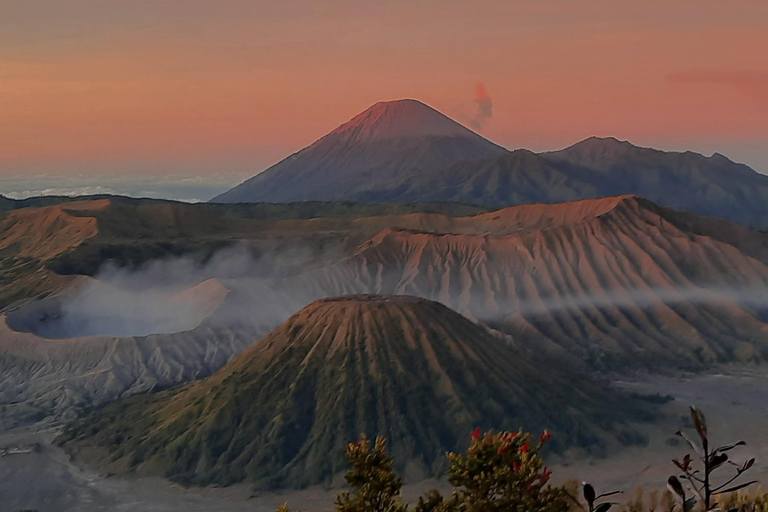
x: 232, y: 85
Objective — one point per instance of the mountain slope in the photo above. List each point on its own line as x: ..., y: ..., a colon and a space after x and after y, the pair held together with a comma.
x: 613, y: 281
x: 44, y: 233
x: 404, y: 151
x: 515, y: 178
x: 42, y: 378
x: 713, y: 185
x: 410, y: 369
x: 594, y: 168
x: 389, y: 141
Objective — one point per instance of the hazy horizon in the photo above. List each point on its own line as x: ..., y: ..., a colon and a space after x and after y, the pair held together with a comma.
x: 165, y: 180
x: 169, y: 87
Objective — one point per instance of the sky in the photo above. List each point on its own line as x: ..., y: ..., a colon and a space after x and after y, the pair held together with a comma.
x: 214, y: 91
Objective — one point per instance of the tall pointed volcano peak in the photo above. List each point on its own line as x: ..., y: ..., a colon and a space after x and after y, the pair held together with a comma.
x: 390, y: 141
x: 404, y: 118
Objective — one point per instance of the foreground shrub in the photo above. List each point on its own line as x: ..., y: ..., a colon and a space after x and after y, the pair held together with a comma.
x: 371, y: 475
x: 500, y: 472
x: 700, y: 480
x: 375, y: 486
x: 504, y: 472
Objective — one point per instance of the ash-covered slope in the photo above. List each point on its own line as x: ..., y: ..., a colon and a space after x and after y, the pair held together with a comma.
x: 45, y: 377
x: 281, y: 413
x: 389, y: 142
x: 613, y: 281
x: 87, y: 341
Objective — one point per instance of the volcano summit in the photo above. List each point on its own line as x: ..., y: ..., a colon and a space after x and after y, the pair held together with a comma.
x: 389, y: 142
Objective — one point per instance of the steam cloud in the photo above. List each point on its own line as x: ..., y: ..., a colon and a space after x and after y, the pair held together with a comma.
x: 174, y: 295
x: 484, y: 104
x: 755, y: 298
x: 237, y: 287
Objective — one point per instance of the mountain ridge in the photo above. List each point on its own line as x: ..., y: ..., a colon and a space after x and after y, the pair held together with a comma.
x: 439, y: 160
x: 621, y: 285
x: 612, y: 283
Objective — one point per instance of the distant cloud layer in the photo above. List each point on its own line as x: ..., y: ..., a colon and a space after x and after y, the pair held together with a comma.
x: 189, y: 189
x: 65, y: 191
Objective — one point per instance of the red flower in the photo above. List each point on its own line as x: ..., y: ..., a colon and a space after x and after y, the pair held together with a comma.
x: 516, y: 466
x: 546, y: 474
x: 545, y: 436
x: 476, y: 433
x: 501, y: 449
x: 525, y: 448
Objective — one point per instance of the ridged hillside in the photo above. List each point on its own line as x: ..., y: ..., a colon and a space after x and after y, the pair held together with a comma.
x: 44, y: 233
x: 615, y: 280
x: 611, y: 283
x: 281, y: 413
x: 706, y: 185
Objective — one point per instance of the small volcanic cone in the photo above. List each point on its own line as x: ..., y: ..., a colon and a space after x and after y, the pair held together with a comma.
x: 281, y: 413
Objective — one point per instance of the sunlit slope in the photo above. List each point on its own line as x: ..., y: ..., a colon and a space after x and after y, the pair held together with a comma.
x: 41, y: 248
x: 609, y: 283
x: 31, y: 237
x: 609, y: 280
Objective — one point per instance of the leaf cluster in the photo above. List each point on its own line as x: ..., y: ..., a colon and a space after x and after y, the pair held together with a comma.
x: 697, y: 469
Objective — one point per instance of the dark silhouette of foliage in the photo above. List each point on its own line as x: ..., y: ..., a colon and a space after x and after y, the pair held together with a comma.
x: 593, y: 499
x: 504, y: 472
x: 700, y: 480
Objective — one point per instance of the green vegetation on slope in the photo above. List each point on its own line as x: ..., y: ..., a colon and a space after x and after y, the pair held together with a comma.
x: 281, y: 413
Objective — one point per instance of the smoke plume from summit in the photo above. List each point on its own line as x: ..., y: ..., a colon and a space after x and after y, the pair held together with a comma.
x: 484, y: 104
